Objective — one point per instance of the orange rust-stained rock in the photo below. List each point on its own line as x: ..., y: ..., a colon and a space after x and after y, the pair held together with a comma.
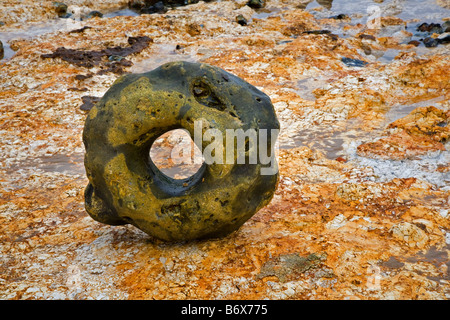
x: 421, y: 132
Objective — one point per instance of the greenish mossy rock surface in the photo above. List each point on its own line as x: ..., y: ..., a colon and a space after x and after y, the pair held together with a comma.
x: 125, y: 186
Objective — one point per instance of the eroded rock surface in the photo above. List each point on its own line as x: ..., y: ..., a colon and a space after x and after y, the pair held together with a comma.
x: 380, y: 226
x: 125, y: 185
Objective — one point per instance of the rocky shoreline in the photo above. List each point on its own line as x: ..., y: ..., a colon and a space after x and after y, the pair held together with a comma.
x: 362, y: 206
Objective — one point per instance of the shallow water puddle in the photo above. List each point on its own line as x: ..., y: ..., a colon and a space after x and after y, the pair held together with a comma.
x: 331, y: 140
x: 162, y: 53
x: 400, y: 111
x: 60, y: 163
x: 36, y: 30
x: 305, y: 87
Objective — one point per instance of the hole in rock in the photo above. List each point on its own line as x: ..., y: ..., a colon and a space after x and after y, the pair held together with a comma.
x: 176, y: 155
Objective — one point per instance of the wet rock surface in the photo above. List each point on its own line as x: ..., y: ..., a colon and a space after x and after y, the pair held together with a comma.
x: 378, y: 218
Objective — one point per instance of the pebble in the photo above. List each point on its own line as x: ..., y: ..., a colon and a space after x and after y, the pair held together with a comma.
x: 158, y: 7
x: 430, y: 27
x: 2, y: 52
x: 317, y: 32
x: 241, y: 20
x: 446, y: 26
x: 444, y: 38
x: 430, y: 42
x: 256, y: 4
x: 367, y: 37
x: 353, y: 62
x: 60, y: 9
x: 414, y: 42
x: 88, y: 102
x: 136, y: 4
x: 341, y: 16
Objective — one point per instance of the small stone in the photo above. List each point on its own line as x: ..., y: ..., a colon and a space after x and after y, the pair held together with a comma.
x: 136, y: 4
x: 367, y: 37
x: 241, y: 20
x: 446, y: 26
x: 430, y: 42
x: 444, y: 40
x: 60, y: 8
x: 430, y: 27
x: 414, y: 43
x: 2, y: 51
x: 353, y: 62
x: 256, y: 4
x: 115, y: 58
x: 317, y: 32
x: 341, y: 16
x: 158, y: 7
x: 80, y: 30
x: 88, y: 102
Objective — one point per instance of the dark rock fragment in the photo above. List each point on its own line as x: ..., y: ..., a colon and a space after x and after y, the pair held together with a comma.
x: 158, y: 7
x: 446, y: 26
x: 80, y: 30
x: 81, y: 77
x: 256, y: 4
x: 430, y: 42
x: 414, y: 42
x: 241, y: 20
x: 341, y: 16
x: 2, y: 51
x: 349, y: 62
x: 77, y: 89
x: 60, y: 9
x: 367, y: 37
x: 444, y: 40
x: 317, y: 32
x: 88, y: 102
x: 327, y: 4
x: 430, y: 27
x: 136, y: 4
x: 94, y: 14
x: 92, y: 58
